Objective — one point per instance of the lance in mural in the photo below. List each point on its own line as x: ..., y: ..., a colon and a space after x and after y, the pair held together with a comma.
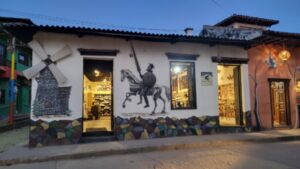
x: 145, y: 87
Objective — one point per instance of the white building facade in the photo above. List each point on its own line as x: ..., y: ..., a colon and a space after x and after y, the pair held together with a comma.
x: 204, y: 83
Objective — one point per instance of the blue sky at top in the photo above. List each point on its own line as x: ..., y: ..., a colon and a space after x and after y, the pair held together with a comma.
x: 169, y: 15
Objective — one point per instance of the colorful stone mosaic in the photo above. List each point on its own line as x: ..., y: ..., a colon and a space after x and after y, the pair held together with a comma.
x: 55, y: 132
x: 139, y: 128
x: 70, y: 131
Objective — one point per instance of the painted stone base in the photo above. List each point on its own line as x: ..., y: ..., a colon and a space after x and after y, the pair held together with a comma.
x: 55, y: 132
x: 139, y: 128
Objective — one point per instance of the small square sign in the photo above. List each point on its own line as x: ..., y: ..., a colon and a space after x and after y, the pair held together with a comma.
x: 206, y: 78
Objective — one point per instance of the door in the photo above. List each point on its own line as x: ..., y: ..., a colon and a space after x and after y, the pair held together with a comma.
x: 97, y: 97
x: 229, y: 95
x: 279, y: 102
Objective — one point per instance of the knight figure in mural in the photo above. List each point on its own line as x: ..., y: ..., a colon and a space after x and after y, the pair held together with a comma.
x: 149, y: 80
x: 144, y: 86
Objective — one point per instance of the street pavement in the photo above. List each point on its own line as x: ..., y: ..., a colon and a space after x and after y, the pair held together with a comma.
x: 22, y: 154
x: 53, y: 156
x: 280, y: 155
x: 15, y: 137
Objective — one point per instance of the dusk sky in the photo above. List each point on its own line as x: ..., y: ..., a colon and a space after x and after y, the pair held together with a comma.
x: 164, y: 16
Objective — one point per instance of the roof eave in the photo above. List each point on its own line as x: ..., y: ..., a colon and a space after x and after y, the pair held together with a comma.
x: 26, y: 33
x: 247, y: 19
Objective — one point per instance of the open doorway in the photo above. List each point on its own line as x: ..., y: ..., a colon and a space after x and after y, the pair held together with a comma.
x: 229, y: 95
x: 97, y: 97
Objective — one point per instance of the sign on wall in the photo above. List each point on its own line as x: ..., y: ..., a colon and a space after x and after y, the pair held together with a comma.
x: 206, y: 78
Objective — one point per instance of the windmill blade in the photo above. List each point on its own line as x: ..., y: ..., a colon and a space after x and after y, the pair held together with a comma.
x: 64, y: 52
x: 37, y: 49
x: 34, y: 70
x: 57, y: 74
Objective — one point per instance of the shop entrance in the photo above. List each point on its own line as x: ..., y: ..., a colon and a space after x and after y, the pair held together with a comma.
x: 279, y: 102
x: 97, y: 97
x: 229, y: 95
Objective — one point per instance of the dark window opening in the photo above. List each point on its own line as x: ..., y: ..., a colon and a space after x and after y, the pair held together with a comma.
x: 23, y: 59
x: 2, y: 96
x: 2, y: 54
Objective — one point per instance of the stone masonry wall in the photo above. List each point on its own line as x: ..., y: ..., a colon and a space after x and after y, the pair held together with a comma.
x: 55, y: 132
x: 139, y: 128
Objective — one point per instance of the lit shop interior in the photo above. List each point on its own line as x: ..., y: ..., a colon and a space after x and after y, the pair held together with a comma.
x: 183, y: 85
x: 97, y: 104
x: 229, y: 95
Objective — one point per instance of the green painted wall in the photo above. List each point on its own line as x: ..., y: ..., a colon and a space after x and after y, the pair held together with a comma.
x: 4, y: 108
x: 22, y: 101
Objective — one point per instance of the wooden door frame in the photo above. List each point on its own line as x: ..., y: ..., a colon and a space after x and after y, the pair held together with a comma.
x: 239, y: 95
x: 100, y: 133
x: 287, y: 99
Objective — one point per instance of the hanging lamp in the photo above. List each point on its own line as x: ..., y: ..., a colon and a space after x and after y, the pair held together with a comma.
x: 284, y: 54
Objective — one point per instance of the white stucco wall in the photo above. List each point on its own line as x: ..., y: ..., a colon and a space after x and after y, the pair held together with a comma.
x: 147, y: 52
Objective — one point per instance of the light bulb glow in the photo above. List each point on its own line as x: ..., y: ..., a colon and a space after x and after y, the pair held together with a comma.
x: 177, y: 69
x: 284, y: 55
x: 97, y: 72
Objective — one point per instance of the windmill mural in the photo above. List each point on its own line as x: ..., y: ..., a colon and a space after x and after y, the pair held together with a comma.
x: 51, y: 98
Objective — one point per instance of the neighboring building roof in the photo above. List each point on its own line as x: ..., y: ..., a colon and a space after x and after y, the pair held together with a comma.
x: 277, y: 37
x: 14, y: 20
x: 25, y: 32
x: 282, y: 34
x: 248, y: 20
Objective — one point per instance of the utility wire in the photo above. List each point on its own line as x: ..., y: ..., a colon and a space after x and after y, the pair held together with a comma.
x: 62, y: 20
x: 221, y: 7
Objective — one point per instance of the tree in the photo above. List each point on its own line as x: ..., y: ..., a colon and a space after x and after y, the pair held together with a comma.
x: 293, y: 73
x: 256, y: 83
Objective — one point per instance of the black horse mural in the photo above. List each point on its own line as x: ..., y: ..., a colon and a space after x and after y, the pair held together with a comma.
x: 144, y: 87
x: 136, y: 86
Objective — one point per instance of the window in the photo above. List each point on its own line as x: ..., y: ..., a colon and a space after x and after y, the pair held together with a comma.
x: 183, y: 85
x: 23, y: 59
x: 2, y: 54
x: 2, y: 96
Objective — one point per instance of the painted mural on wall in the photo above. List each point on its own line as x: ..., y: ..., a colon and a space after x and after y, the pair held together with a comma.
x: 51, y: 98
x: 144, y: 86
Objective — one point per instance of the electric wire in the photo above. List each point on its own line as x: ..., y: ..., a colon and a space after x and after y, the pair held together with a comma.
x: 221, y: 7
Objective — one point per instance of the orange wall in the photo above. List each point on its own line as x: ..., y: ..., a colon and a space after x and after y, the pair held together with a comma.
x: 257, y: 59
